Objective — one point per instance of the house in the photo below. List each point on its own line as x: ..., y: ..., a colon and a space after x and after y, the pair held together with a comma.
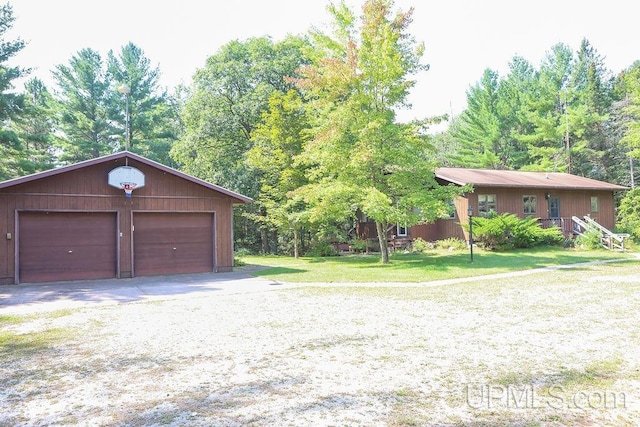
x: 555, y: 198
x: 116, y: 216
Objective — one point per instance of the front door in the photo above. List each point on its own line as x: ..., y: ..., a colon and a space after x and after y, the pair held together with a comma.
x: 554, y: 207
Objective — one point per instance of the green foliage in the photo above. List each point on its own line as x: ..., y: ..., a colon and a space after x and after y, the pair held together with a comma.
x: 239, y: 101
x: 629, y: 213
x: 322, y: 249
x: 91, y: 110
x: 11, y: 103
x: 359, y: 157
x: 452, y: 243
x: 152, y: 116
x: 591, y: 239
x: 554, y: 117
x: 630, y: 88
x: 419, y: 245
x: 358, y: 245
x: 35, y: 130
x: 507, y: 231
x: 83, y: 109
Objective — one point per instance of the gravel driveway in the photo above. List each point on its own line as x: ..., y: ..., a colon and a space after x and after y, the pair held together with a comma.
x: 335, y: 355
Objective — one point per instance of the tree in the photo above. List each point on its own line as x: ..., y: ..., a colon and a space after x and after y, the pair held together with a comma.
x: 225, y: 104
x: 11, y: 103
x: 630, y: 87
x: 35, y: 129
x: 547, y: 112
x: 152, y: 118
x: 360, y: 157
x: 629, y: 213
x: 479, y: 128
x: 277, y: 141
x: 553, y: 118
x: 91, y: 106
x: 223, y: 108
x: 83, y: 108
x: 588, y: 119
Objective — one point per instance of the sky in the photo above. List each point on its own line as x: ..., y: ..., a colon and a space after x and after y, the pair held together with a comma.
x: 462, y: 37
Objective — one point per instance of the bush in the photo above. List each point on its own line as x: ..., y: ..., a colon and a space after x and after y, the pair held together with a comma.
x: 507, y: 231
x: 420, y: 245
x: 322, y: 249
x: 591, y: 238
x: 240, y: 252
x: 452, y: 243
x: 358, y: 245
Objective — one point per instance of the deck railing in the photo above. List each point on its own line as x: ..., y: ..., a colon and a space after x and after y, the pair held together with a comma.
x: 608, y: 239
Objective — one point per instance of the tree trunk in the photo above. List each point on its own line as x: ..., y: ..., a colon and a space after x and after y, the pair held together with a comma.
x: 264, y: 238
x: 382, y: 239
x: 295, y: 243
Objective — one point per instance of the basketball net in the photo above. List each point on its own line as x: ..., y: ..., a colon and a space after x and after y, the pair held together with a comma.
x: 128, y: 188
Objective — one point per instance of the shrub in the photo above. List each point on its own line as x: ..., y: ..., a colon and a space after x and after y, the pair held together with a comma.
x: 452, y: 243
x: 420, y: 245
x: 507, y: 231
x: 240, y: 252
x: 358, y: 245
x: 322, y: 249
x: 591, y: 238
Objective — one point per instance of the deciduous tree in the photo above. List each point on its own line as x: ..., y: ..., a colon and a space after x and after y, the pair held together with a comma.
x: 360, y: 157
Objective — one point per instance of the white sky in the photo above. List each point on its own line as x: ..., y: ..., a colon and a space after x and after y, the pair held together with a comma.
x: 462, y: 37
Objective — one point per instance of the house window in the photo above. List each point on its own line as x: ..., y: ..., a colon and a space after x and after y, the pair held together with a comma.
x: 452, y: 210
x: 529, y: 205
x: 487, y: 203
x: 594, y: 203
x: 402, y: 231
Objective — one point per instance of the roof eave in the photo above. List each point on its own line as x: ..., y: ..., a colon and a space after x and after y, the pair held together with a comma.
x: 240, y: 199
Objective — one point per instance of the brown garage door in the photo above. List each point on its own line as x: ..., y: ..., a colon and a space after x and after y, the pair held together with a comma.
x: 170, y: 243
x: 67, y: 246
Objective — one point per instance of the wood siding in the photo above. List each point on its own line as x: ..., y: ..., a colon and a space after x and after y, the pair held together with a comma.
x: 572, y: 203
x: 86, y: 190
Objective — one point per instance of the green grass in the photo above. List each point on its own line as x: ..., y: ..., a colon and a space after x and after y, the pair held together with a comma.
x: 16, y: 343
x: 412, y: 268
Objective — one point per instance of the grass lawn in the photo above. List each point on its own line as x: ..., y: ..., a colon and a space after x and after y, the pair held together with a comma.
x: 405, y: 267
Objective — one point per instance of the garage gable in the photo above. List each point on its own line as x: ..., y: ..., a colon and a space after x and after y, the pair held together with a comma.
x: 73, y: 223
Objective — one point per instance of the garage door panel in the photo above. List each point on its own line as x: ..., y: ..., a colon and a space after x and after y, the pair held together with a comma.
x: 159, y: 236
x: 67, y: 246
x: 170, y: 243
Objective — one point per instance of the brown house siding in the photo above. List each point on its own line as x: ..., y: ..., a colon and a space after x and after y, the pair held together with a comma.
x: 86, y: 190
x: 572, y: 203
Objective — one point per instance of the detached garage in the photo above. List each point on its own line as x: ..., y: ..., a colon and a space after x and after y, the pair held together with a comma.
x: 116, y: 216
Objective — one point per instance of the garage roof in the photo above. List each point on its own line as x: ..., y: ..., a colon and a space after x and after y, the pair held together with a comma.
x: 121, y: 155
x: 522, y: 179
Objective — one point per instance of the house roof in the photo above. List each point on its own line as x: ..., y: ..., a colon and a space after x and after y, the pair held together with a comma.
x: 523, y: 179
x: 121, y: 155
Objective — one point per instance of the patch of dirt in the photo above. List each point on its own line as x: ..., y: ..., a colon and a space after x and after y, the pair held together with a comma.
x: 338, y: 356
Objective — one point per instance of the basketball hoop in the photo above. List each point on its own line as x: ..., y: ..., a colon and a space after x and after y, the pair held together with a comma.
x: 128, y: 188
x: 126, y: 178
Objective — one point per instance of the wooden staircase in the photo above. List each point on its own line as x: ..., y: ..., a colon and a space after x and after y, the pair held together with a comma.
x: 608, y: 239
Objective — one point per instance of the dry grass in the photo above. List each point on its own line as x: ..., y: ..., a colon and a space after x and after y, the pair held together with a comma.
x: 525, y: 351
